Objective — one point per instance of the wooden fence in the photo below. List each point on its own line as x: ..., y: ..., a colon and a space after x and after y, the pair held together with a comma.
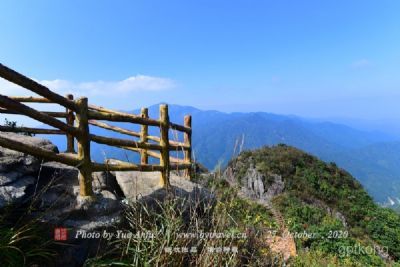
x: 78, y: 116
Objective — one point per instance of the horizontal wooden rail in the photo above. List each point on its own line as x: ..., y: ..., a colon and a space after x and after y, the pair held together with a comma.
x: 131, y: 148
x: 116, y: 115
x: 39, y: 89
x: 122, y: 142
x: 31, y: 99
x: 174, y: 146
x: 68, y: 159
x: 113, y: 128
x: 176, y: 160
x: 158, y: 156
x: 50, y: 113
x: 154, y: 154
x: 149, y: 153
x: 132, y: 133
x: 172, y: 143
x: 180, y: 128
x: 177, y: 146
x: 101, y: 115
x: 30, y: 130
x: 123, y: 166
x: 102, y: 109
x: 13, y: 105
x: 81, y: 114
x: 116, y: 165
x: 153, y: 138
x: 138, y: 150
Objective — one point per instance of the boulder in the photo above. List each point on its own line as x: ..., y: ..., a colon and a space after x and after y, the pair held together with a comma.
x: 53, y: 188
x: 18, y: 171
x: 146, y: 186
x: 63, y: 205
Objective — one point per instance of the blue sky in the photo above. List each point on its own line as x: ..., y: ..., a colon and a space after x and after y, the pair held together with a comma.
x: 308, y: 58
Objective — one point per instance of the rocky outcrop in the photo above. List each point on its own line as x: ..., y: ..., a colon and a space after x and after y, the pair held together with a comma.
x: 18, y: 171
x: 262, y: 188
x: 53, y: 190
x: 253, y: 183
x: 59, y: 198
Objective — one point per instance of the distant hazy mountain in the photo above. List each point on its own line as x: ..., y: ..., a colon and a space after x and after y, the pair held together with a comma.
x: 372, y: 157
x: 377, y: 166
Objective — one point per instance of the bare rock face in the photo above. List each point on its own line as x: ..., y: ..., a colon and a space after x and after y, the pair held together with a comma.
x: 18, y: 171
x: 63, y: 206
x: 253, y: 183
x: 53, y: 187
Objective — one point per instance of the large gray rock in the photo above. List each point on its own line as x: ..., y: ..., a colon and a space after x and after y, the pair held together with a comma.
x: 146, y: 186
x: 62, y: 204
x: 52, y: 189
x: 18, y: 171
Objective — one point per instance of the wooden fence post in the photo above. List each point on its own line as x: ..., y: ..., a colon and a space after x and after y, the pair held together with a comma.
x: 85, y: 170
x: 144, y: 132
x: 70, y: 122
x: 188, y: 141
x: 164, y: 143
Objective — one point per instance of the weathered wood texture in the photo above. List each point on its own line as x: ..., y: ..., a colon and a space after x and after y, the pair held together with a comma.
x: 30, y: 130
x: 144, y: 132
x: 85, y: 171
x: 49, y: 113
x: 123, y: 142
x: 102, y: 115
x: 48, y: 155
x: 164, y: 143
x: 113, y: 128
x: 86, y: 114
x: 180, y: 128
x: 172, y: 144
x: 13, y: 105
x: 116, y: 165
x: 31, y: 99
x: 70, y: 119
x: 188, y: 142
x: 21, y: 80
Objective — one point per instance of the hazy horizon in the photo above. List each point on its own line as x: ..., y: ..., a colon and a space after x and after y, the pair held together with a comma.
x: 312, y: 59
x: 387, y: 126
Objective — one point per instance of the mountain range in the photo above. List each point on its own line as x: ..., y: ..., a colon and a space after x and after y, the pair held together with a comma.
x: 371, y: 156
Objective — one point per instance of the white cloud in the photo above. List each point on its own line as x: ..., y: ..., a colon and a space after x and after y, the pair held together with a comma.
x: 95, y: 88
x: 10, y: 89
x: 132, y: 84
x: 362, y: 63
x: 125, y: 94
